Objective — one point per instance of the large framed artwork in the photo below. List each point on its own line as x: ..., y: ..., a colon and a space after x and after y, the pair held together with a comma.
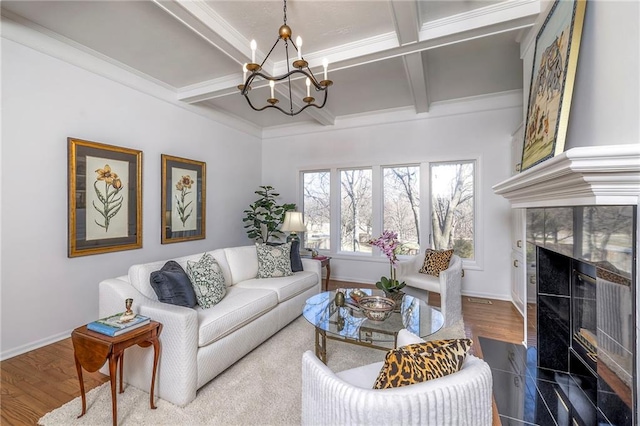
x: 105, y: 198
x: 183, y: 199
x: 552, y: 80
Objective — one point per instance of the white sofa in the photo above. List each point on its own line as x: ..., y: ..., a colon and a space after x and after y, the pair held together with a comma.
x: 348, y: 398
x: 448, y: 284
x: 198, y: 344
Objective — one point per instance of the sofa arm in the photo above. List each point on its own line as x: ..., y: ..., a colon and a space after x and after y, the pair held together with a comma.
x: 177, y: 374
x: 451, y: 292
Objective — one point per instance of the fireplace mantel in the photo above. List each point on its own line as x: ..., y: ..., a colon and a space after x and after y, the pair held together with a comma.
x: 600, y: 175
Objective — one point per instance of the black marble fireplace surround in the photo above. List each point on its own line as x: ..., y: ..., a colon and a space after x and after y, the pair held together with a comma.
x: 586, y: 313
x: 596, y: 231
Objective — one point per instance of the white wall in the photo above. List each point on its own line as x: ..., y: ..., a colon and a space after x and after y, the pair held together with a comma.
x: 45, y: 100
x: 484, y: 135
x: 606, y: 103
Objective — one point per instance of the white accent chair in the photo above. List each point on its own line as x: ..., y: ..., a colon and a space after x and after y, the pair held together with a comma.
x: 348, y: 397
x: 448, y: 285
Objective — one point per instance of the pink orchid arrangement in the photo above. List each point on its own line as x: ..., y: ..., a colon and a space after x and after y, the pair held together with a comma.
x: 388, y: 243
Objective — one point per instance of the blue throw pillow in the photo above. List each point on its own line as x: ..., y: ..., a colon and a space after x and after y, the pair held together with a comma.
x: 296, y: 261
x: 172, y: 285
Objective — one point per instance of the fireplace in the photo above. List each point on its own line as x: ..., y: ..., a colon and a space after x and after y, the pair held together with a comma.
x: 585, y: 243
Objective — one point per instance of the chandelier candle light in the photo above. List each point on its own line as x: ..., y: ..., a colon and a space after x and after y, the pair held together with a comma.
x: 300, y: 66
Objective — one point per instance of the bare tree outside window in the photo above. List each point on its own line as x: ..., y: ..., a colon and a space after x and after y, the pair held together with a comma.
x: 316, y: 206
x: 355, y: 210
x: 452, y: 205
x: 401, y: 194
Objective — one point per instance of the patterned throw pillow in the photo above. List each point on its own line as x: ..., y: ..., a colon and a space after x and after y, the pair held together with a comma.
x: 420, y: 362
x: 207, y: 280
x: 435, y: 261
x: 274, y: 261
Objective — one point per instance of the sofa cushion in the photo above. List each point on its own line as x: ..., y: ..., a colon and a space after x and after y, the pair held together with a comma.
x: 207, y: 280
x: 274, y: 261
x: 419, y: 362
x: 363, y: 377
x: 239, y: 307
x: 435, y: 261
x: 422, y: 281
x: 172, y: 285
x: 243, y: 263
x: 284, y: 287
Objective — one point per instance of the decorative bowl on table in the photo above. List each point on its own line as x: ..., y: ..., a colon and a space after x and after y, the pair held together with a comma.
x: 376, y: 308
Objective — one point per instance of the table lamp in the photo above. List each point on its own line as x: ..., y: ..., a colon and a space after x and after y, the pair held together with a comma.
x: 293, y: 224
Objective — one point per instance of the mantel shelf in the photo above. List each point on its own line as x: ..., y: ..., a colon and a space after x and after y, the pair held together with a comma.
x: 600, y: 175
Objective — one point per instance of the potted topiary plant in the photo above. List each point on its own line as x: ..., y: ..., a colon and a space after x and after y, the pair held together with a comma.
x: 264, y: 217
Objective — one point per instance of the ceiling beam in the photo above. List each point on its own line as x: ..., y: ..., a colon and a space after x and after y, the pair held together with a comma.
x: 416, y: 74
x: 405, y: 19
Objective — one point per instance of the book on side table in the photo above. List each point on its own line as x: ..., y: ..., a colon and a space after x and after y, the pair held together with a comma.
x: 113, y: 326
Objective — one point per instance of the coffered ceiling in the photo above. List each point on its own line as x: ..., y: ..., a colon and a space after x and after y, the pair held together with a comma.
x: 383, y: 54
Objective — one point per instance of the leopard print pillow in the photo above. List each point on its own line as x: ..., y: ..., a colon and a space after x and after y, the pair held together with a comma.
x: 420, y: 362
x: 436, y: 261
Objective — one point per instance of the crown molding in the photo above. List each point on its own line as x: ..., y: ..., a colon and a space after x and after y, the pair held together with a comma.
x: 484, y: 16
x: 582, y: 176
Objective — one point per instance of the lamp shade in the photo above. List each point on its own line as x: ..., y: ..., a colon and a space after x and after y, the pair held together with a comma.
x: 293, y: 222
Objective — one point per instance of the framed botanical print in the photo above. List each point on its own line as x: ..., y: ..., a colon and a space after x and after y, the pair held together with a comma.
x: 552, y: 79
x: 105, y: 198
x: 184, y: 203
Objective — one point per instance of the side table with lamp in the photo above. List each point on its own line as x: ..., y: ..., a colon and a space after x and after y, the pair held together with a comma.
x: 294, y: 223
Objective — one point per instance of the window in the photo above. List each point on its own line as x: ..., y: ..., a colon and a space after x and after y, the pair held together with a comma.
x: 401, y: 208
x: 355, y: 210
x: 316, y: 202
x: 453, y: 207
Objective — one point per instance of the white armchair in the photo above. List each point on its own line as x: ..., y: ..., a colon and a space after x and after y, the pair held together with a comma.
x: 348, y: 397
x: 448, y: 285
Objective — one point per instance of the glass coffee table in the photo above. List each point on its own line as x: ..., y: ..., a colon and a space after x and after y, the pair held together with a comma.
x: 348, y: 324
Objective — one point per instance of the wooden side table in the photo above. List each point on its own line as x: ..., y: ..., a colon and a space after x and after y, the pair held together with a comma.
x: 91, y: 350
x: 325, y: 262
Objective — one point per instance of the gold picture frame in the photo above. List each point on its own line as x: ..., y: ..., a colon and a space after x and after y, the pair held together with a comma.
x: 552, y: 79
x: 105, y: 198
x: 184, y: 199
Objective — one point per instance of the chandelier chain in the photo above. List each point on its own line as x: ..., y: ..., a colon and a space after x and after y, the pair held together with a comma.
x: 284, y: 9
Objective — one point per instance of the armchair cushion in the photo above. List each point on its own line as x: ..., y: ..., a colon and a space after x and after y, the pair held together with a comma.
x: 435, y: 261
x: 172, y: 285
x: 420, y: 362
x: 207, y: 280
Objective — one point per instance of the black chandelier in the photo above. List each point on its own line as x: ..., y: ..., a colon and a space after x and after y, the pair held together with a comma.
x: 300, y: 66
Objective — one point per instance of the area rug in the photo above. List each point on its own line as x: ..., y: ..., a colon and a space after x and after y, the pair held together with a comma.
x: 263, y: 388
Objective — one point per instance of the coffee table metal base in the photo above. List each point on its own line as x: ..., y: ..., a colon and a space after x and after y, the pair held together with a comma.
x: 365, y: 340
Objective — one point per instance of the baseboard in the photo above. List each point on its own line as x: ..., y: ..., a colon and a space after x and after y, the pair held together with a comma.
x: 34, y: 345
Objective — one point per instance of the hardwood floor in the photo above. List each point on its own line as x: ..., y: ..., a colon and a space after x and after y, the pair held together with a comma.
x: 39, y: 381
